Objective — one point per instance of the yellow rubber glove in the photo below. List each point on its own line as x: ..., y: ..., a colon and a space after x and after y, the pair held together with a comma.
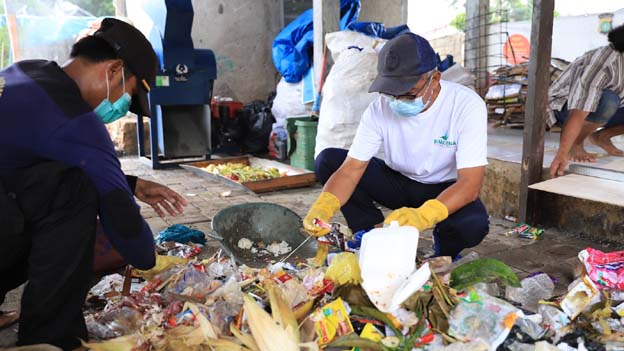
x: 324, y: 209
x: 426, y: 216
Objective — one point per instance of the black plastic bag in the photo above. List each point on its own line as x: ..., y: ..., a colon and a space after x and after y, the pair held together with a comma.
x: 257, y: 122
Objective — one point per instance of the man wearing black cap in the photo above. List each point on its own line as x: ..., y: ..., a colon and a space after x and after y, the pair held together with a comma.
x: 434, y: 136
x: 59, y: 172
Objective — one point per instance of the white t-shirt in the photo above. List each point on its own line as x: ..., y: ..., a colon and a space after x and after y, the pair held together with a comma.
x: 431, y: 146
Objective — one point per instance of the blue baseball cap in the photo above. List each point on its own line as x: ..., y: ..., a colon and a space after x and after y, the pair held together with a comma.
x: 402, y: 61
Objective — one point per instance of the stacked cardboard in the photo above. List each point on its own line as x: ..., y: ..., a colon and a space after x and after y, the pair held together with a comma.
x: 506, y: 97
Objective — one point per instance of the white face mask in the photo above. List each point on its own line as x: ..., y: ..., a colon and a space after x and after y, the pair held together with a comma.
x: 409, y: 108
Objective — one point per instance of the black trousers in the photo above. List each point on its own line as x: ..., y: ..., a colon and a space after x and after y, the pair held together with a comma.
x: 385, y: 186
x: 54, y: 253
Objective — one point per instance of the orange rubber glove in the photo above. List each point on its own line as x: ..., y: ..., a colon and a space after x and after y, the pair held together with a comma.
x: 426, y: 216
x: 324, y: 209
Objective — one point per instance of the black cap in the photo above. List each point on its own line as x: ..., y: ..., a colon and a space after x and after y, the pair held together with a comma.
x: 402, y: 61
x: 137, y: 52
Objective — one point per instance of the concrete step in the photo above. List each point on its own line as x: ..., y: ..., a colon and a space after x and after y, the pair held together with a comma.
x: 579, y: 205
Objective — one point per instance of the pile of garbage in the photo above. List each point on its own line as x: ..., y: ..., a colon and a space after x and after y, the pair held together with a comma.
x: 506, y: 97
x: 362, y: 300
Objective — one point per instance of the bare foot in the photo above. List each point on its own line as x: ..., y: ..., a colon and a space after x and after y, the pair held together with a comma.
x: 601, y: 140
x: 578, y: 154
x: 8, y: 318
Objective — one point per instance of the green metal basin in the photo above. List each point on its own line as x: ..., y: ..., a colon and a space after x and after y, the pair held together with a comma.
x: 260, y: 221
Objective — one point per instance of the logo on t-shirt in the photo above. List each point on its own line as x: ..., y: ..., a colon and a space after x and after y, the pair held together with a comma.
x: 2, y: 84
x: 444, y: 141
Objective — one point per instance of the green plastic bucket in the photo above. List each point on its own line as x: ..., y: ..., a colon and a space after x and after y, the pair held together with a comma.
x: 305, y: 138
x: 302, y: 140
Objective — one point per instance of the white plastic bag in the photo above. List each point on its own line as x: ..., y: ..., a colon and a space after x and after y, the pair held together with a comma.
x: 345, y: 92
x: 287, y: 102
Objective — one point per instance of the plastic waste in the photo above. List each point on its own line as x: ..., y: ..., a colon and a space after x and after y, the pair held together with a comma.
x: 553, y: 317
x: 545, y: 346
x: 608, y: 326
x: 518, y: 346
x: 491, y: 289
x: 108, y: 284
x: 475, y: 345
x: 114, y: 323
x: 344, y: 269
x: 534, y: 289
x: 356, y: 241
x: 377, y: 29
x: 288, y: 103
x: 292, y: 45
x: 387, y: 259
x: 345, y: 92
x: 534, y: 330
x: 195, y: 284
x: 278, y: 144
x: 181, y: 234
x: 222, y: 270
x: 489, y: 319
x: 294, y: 292
x: 606, y: 269
x: 581, y: 294
x: 162, y: 263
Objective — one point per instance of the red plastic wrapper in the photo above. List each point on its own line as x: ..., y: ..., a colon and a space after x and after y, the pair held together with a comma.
x: 606, y: 269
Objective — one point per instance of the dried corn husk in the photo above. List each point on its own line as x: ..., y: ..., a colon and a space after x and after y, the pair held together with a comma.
x: 122, y: 343
x: 246, y: 339
x: 282, y: 313
x: 269, y: 335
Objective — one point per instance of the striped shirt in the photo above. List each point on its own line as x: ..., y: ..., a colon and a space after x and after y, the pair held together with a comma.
x: 582, y: 83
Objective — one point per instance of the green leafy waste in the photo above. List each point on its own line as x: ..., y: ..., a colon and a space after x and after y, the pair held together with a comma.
x: 484, y: 270
x: 241, y: 173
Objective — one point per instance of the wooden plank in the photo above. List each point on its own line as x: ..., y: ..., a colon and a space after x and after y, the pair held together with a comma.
x: 326, y: 14
x: 584, y: 187
x: 295, y: 177
x: 476, y: 42
x: 535, y: 111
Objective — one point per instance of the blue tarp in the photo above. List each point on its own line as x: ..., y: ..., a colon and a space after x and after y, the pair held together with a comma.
x: 292, y: 47
x: 378, y: 30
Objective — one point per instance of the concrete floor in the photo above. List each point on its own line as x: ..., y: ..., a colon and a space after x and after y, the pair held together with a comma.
x: 506, y: 145
x: 554, y: 253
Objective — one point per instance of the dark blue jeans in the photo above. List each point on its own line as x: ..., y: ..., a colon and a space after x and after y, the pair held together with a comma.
x: 387, y: 187
x: 608, y: 113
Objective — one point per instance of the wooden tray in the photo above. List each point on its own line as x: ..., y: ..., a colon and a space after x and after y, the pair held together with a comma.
x: 295, y: 178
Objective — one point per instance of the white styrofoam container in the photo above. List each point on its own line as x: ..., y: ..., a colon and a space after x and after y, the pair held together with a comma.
x: 387, y: 259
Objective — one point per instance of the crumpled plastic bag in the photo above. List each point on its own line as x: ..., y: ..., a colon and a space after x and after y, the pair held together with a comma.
x: 344, y: 269
x: 181, y: 234
x: 488, y: 318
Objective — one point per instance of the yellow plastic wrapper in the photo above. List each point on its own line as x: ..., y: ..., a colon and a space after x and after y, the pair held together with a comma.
x: 331, y: 321
x: 162, y: 263
x: 344, y: 269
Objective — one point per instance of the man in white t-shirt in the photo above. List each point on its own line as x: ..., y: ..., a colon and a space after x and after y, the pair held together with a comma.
x: 434, y: 136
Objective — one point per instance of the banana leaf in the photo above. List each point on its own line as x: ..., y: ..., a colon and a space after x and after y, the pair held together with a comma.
x: 375, y: 314
x: 483, y: 270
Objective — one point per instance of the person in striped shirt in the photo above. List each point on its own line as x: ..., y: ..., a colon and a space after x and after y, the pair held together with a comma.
x: 587, y: 100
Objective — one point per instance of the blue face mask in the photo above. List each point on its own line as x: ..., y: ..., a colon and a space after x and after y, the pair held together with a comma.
x: 111, y: 111
x: 408, y: 108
